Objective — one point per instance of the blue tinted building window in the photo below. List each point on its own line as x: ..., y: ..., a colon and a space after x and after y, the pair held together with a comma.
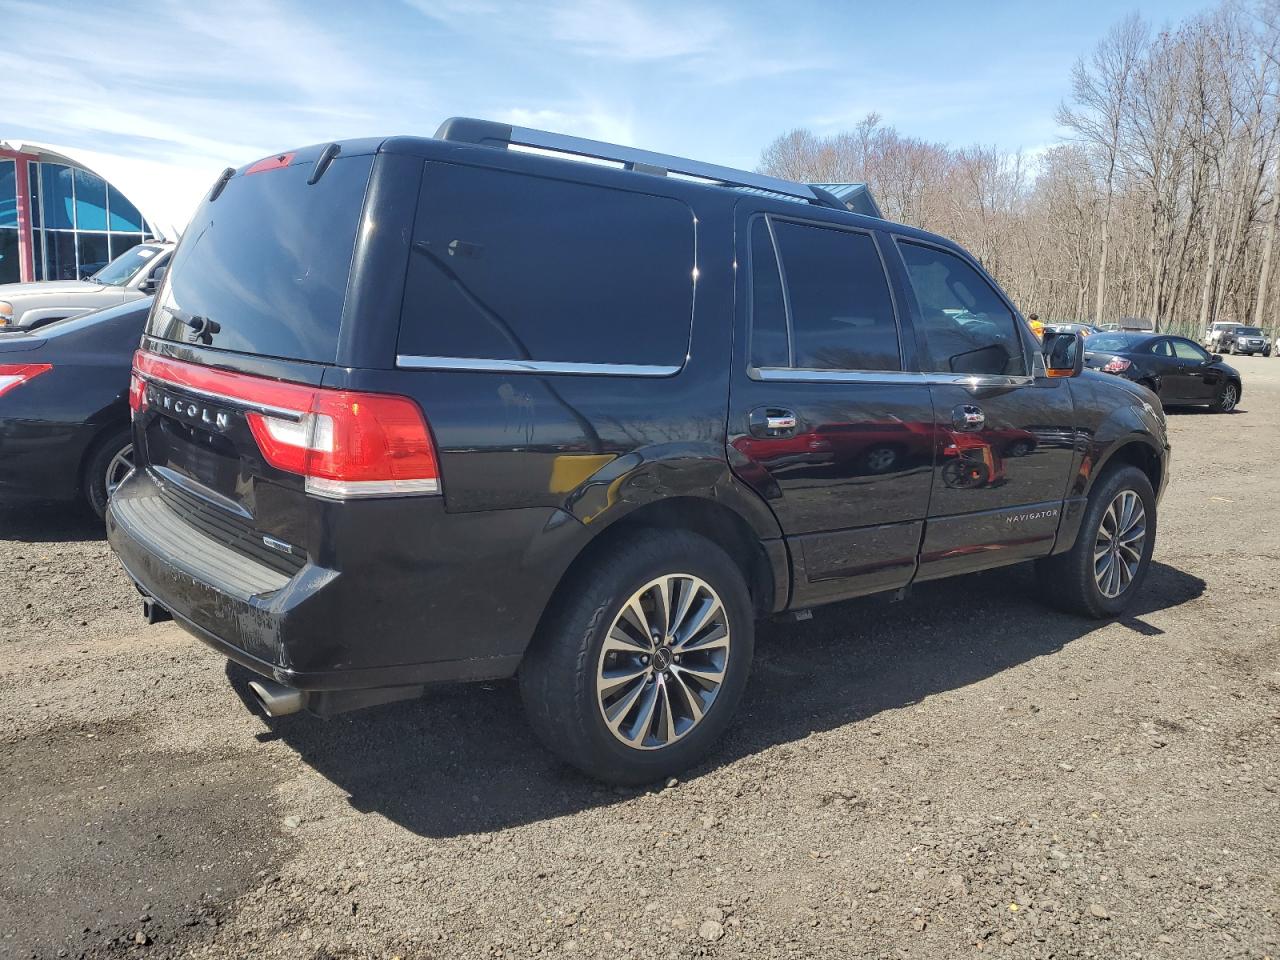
x: 124, y: 215
x: 55, y: 182
x: 8, y: 194
x: 33, y: 182
x: 91, y: 201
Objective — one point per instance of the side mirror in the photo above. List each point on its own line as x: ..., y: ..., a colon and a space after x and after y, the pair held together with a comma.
x: 152, y: 283
x: 1214, y: 358
x: 1063, y: 354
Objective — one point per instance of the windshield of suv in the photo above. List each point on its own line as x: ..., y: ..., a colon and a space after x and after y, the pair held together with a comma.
x: 126, y: 266
x: 1248, y: 332
x: 1112, y: 341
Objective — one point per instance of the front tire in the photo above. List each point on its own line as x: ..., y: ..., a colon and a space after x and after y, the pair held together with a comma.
x: 1103, y: 572
x: 1227, y: 398
x: 640, y: 665
x: 106, y: 468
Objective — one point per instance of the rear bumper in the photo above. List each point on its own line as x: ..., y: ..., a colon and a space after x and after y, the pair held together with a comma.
x: 400, y: 610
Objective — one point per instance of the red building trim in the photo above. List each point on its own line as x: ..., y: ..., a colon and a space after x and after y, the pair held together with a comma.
x: 26, y: 246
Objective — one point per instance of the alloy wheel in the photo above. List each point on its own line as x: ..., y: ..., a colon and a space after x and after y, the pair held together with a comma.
x: 119, y: 468
x: 1229, y: 398
x: 663, y: 661
x: 1117, y: 551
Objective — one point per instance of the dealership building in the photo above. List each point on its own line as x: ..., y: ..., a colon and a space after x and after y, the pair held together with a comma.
x: 66, y: 213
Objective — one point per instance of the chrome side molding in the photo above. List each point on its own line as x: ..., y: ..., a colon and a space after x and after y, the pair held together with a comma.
x: 476, y: 365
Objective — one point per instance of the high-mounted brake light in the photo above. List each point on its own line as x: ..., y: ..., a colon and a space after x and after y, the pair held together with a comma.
x: 12, y: 374
x: 277, y: 162
x: 1116, y: 365
x: 344, y: 443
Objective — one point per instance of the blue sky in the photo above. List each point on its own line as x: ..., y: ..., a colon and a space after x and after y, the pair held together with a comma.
x: 202, y: 84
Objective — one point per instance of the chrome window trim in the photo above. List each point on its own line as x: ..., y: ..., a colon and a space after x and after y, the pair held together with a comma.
x: 477, y: 365
x: 900, y: 377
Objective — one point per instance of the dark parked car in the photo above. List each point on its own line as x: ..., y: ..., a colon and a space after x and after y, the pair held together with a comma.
x: 420, y: 410
x: 1177, y: 370
x: 64, y: 407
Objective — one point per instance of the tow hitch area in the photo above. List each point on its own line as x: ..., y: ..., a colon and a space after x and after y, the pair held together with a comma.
x: 152, y: 612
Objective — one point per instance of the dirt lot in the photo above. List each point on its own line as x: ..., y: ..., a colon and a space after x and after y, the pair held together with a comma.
x: 961, y: 773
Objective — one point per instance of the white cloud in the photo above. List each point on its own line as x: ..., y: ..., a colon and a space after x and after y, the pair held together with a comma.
x: 622, y: 30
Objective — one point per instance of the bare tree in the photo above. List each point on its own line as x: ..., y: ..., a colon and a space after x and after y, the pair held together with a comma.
x: 1163, y: 201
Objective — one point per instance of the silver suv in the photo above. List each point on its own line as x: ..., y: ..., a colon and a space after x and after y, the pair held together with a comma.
x: 134, y: 274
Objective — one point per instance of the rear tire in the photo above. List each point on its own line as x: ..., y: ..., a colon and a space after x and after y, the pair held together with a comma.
x: 108, y: 464
x: 576, y: 691
x: 1103, y: 572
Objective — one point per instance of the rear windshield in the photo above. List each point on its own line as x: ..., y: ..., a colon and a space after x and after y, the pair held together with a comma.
x: 1112, y: 341
x: 263, y: 268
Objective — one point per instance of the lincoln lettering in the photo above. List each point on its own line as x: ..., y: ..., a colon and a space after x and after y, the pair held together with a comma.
x: 192, y: 411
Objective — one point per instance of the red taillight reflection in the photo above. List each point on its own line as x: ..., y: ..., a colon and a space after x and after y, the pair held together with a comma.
x: 13, y: 374
x: 1117, y: 365
x: 137, y: 392
x: 345, y: 443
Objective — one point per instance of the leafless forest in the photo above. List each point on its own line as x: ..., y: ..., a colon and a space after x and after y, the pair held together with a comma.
x: 1160, y: 201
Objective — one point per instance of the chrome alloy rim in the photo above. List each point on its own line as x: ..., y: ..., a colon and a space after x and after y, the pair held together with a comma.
x: 1118, y: 550
x: 1229, y: 397
x: 663, y: 661
x: 119, y: 468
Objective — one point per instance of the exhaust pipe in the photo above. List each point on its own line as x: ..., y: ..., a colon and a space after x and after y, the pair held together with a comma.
x: 276, y: 699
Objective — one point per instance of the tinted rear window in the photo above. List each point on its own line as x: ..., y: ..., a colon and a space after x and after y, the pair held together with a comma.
x: 266, y: 263
x: 513, y: 267
x: 1112, y: 341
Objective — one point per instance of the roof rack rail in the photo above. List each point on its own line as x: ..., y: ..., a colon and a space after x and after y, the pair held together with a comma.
x: 489, y: 132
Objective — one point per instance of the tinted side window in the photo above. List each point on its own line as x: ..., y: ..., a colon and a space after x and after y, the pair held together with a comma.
x: 1186, y: 350
x: 1161, y: 348
x: 841, y: 311
x: 967, y: 326
x: 513, y: 267
x: 770, y: 340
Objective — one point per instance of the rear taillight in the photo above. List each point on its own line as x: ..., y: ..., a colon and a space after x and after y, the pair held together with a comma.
x: 13, y: 374
x: 1116, y: 365
x: 343, y: 442
x: 137, y: 393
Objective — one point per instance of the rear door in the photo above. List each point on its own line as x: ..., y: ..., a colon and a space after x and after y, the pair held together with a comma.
x: 1157, y: 357
x: 828, y: 421
x: 1006, y: 442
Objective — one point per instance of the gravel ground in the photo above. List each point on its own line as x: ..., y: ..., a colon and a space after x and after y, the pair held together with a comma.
x: 961, y: 773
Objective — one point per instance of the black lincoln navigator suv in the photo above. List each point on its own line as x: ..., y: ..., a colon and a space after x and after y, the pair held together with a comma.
x: 440, y: 409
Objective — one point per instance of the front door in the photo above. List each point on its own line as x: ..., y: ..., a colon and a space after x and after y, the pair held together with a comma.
x: 1200, y: 380
x: 1006, y: 437
x: 825, y: 422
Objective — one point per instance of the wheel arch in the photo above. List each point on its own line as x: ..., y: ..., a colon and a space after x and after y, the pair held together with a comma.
x: 1137, y: 450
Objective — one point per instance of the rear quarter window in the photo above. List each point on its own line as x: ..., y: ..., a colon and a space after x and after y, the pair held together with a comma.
x: 508, y: 266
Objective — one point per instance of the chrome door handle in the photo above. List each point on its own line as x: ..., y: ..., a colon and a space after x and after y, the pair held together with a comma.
x: 968, y: 416
x: 772, y: 422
